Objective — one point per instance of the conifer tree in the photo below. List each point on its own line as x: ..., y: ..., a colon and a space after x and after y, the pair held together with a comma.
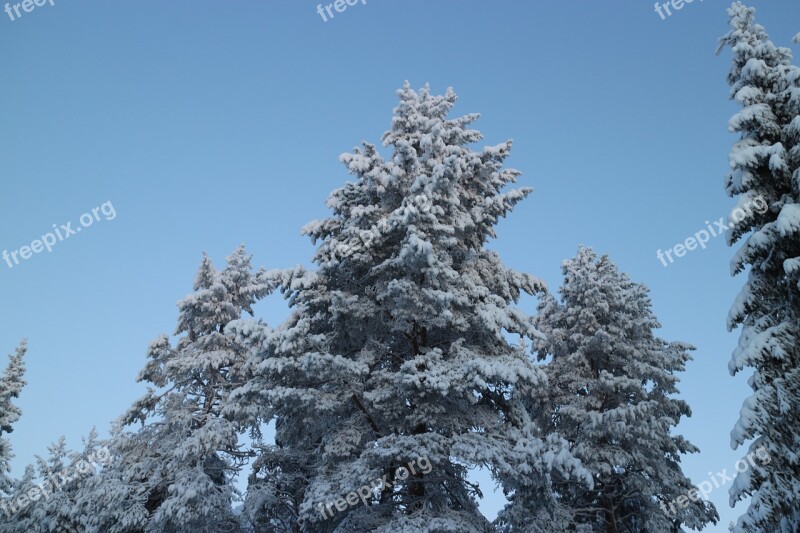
x: 52, y: 493
x: 11, y: 383
x: 397, y: 347
x: 13, y: 518
x: 611, y: 395
x: 175, y: 473
x: 765, y: 166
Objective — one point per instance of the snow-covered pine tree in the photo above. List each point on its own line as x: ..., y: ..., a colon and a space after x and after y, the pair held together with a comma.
x: 765, y: 166
x: 611, y: 395
x: 53, y: 507
x: 396, y: 348
x: 281, y: 470
x: 175, y: 473
x: 53, y: 476
x: 12, y: 382
x: 13, y: 519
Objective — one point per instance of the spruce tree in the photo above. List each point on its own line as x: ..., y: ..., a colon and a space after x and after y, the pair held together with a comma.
x: 765, y: 166
x: 175, y: 473
x: 53, y: 503
x: 611, y: 395
x: 397, y: 348
x: 11, y: 384
x: 14, y: 519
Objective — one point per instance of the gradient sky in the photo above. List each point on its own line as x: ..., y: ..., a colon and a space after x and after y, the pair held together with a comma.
x: 210, y: 124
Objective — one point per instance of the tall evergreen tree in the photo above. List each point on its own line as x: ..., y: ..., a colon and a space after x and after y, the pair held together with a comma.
x: 175, y: 473
x: 397, y: 348
x: 611, y: 383
x: 766, y: 168
x: 11, y: 383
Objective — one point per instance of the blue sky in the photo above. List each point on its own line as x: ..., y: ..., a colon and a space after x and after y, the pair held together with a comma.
x: 210, y: 124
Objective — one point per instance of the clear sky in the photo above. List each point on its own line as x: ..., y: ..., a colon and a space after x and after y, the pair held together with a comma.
x: 210, y: 124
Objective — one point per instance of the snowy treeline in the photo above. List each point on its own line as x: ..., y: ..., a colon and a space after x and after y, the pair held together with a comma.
x: 407, y: 341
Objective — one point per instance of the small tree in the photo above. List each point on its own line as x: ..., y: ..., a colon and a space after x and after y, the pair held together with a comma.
x: 175, y: 473
x: 611, y: 384
x: 14, y: 519
x: 53, y: 505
